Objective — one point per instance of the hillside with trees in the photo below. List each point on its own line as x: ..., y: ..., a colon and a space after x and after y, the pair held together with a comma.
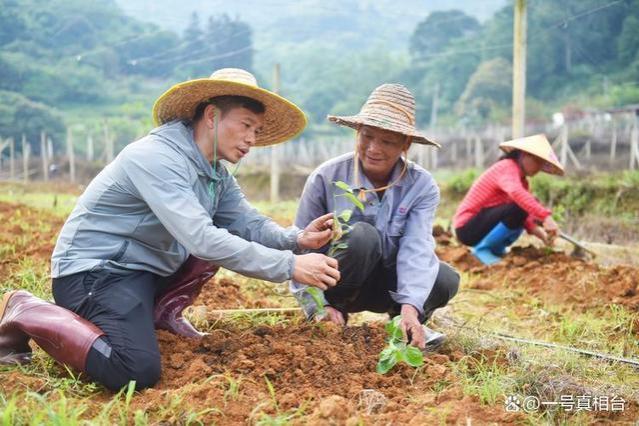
x: 83, y: 63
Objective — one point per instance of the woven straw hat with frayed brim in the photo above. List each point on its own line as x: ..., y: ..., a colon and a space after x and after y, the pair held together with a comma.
x: 389, y: 107
x: 283, y: 120
x: 538, y: 146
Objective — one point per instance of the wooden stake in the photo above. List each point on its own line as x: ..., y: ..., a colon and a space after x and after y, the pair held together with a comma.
x: 613, y: 144
x: 43, y: 156
x: 26, y: 150
x: 12, y: 159
x: 90, y: 147
x: 634, y: 146
x: 479, y: 153
x: 70, y: 154
x: 3, y: 145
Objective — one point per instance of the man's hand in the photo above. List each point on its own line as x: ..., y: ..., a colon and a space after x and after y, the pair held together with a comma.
x: 317, y: 234
x: 411, y: 327
x: 334, y: 316
x: 316, y: 270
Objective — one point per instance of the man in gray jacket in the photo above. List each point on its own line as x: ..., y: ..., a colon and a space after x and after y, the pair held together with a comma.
x: 155, y: 225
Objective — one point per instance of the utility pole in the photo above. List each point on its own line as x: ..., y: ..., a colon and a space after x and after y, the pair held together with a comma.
x: 519, y: 69
x: 275, y: 166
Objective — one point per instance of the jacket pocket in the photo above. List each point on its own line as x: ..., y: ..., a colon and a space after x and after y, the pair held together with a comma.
x: 120, y: 253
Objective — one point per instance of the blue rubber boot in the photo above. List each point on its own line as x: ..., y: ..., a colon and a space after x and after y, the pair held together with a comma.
x: 510, y: 239
x: 487, y: 251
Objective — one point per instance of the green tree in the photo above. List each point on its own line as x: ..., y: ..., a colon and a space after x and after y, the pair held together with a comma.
x: 19, y: 115
x: 434, y: 33
x: 489, y: 87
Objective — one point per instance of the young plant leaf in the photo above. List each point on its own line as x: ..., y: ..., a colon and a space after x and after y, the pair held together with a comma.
x: 343, y: 186
x: 384, y: 366
x: 345, y: 216
x: 353, y: 199
x: 317, y: 298
x: 393, y: 329
x: 414, y: 356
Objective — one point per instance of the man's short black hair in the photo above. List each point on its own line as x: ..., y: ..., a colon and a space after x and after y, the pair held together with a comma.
x: 228, y: 102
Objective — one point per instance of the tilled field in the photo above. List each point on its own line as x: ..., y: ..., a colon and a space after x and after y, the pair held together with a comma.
x: 274, y: 369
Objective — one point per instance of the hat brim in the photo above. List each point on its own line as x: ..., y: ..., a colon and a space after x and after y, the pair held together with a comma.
x: 356, y: 121
x: 548, y: 167
x: 283, y: 120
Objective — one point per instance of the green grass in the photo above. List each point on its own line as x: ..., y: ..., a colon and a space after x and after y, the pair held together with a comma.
x: 39, y: 195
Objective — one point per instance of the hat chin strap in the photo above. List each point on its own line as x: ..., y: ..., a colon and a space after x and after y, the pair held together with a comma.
x: 362, y: 192
x: 216, y: 122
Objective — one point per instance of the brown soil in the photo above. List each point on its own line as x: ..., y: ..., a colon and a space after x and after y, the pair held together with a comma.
x: 555, y: 277
x: 31, y: 233
x: 328, y: 368
x: 329, y: 371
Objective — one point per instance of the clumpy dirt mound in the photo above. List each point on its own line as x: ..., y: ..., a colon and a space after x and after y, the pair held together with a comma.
x: 556, y: 277
x: 224, y: 293
x: 330, y: 369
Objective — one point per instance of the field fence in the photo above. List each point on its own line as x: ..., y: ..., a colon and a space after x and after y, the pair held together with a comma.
x: 595, y: 142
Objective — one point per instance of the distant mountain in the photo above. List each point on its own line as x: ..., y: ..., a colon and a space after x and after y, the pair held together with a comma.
x: 351, y: 24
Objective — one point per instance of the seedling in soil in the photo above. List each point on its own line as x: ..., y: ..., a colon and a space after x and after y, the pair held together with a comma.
x: 319, y: 302
x: 397, y: 350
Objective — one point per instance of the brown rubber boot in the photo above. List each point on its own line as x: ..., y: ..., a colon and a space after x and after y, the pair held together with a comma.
x: 64, y: 335
x: 186, y: 284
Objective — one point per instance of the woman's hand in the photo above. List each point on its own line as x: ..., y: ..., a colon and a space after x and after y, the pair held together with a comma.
x: 551, y: 228
x: 411, y: 327
x: 334, y: 316
x: 540, y: 233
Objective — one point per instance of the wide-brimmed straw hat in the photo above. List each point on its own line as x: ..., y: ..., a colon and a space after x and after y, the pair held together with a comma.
x: 389, y: 107
x: 283, y: 120
x: 538, y: 146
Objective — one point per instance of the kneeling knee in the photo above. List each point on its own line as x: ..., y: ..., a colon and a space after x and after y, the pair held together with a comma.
x: 450, y: 279
x: 147, y: 372
x: 364, y: 238
x: 144, y: 370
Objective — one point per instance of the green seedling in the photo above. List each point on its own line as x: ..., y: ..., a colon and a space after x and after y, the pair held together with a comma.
x: 340, y: 228
x: 317, y: 298
x: 340, y: 223
x: 397, y: 350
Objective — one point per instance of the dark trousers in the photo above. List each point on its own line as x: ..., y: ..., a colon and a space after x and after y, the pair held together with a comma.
x: 483, y: 222
x: 121, y: 304
x: 365, y: 283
